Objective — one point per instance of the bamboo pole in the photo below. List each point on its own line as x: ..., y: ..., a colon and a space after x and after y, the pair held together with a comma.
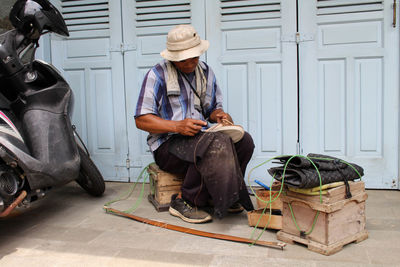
x: 278, y: 245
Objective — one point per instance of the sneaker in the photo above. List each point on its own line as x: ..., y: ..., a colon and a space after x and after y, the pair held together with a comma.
x: 186, y: 212
x: 236, y: 208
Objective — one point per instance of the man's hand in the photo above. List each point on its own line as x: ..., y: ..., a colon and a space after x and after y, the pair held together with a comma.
x: 154, y: 124
x: 219, y: 116
x: 189, y: 127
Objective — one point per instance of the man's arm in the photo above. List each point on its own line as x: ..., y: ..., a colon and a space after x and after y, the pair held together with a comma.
x: 219, y: 115
x: 154, y: 124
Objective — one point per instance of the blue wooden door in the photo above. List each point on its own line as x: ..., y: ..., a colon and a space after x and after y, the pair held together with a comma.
x: 349, y: 71
x: 91, y: 59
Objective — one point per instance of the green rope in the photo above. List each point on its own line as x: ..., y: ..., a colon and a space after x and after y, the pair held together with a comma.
x: 259, y: 218
x: 320, y: 196
x: 144, y: 174
x: 297, y: 226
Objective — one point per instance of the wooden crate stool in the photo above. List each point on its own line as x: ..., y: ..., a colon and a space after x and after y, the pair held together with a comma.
x: 164, y: 185
x: 341, y: 221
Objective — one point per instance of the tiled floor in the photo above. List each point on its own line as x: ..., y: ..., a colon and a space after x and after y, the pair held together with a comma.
x: 70, y: 228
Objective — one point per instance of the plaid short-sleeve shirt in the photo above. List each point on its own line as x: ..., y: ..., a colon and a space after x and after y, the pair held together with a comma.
x: 153, y: 99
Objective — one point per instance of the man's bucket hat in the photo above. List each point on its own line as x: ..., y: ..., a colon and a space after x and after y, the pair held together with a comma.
x: 183, y: 42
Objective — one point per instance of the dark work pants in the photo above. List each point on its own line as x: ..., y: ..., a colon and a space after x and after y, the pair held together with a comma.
x: 216, y: 172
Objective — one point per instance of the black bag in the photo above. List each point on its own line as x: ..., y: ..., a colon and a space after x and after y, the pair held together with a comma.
x: 301, y: 173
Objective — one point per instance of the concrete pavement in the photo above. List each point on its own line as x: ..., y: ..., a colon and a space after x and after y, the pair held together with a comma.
x: 70, y: 228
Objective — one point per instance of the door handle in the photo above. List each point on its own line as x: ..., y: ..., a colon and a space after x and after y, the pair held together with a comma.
x: 394, y: 13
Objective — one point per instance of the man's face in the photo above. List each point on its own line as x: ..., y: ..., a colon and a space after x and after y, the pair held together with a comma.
x: 188, y: 65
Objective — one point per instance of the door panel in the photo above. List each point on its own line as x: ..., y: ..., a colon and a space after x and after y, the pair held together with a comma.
x: 92, y: 62
x: 349, y: 85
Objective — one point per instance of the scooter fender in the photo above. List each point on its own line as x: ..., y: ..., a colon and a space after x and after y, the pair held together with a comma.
x: 40, y: 175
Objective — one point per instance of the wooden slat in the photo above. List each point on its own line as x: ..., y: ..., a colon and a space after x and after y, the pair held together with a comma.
x: 85, y: 35
x: 225, y: 4
x: 349, y: 9
x: 86, y: 15
x: 330, y: 7
x: 350, y: 17
x: 87, y: 8
x: 87, y: 27
x: 83, y: 2
x: 345, y: 2
x: 153, y: 14
x: 255, y: 9
x: 163, y: 22
x: 234, y: 10
x: 163, y: 16
x: 251, y: 16
x: 86, y: 21
x: 161, y: 3
x: 164, y: 9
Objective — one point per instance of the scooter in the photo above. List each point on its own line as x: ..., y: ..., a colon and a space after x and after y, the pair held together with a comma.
x: 39, y: 147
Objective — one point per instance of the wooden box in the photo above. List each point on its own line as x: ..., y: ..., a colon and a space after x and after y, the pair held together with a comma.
x: 274, y: 223
x: 340, y: 221
x: 164, y: 185
x: 264, y: 195
x: 276, y: 214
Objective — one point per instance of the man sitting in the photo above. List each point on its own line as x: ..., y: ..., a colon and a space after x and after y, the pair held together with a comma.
x: 178, y: 96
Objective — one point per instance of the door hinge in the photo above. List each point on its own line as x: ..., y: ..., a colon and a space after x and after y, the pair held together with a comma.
x: 128, y: 164
x: 298, y: 149
x: 122, y: 48
x: 297, y: 38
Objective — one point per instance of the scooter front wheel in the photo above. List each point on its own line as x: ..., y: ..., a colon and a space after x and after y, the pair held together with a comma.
x: 90, y: 178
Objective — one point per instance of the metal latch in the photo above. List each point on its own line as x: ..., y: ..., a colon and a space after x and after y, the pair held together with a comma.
x: 297, y: 38
x: 122, y: 48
